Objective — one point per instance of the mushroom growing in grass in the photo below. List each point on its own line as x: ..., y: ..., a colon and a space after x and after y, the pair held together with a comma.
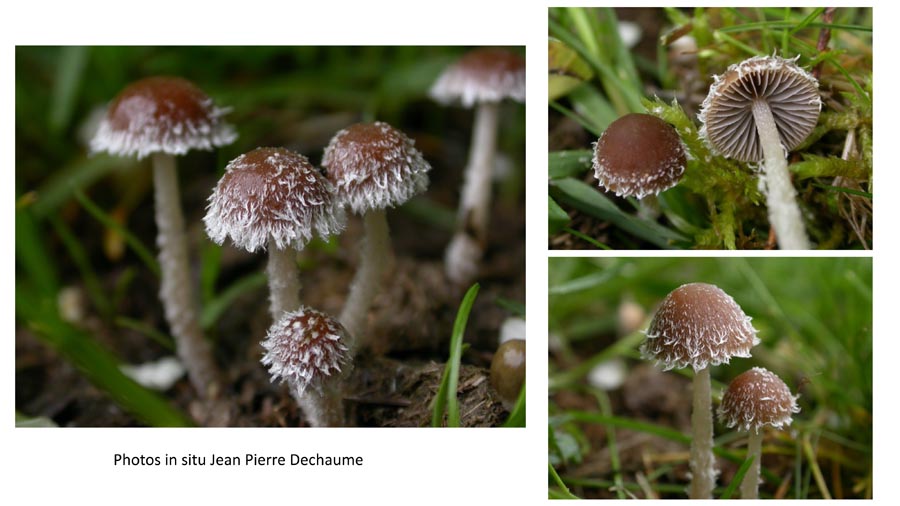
x: 698, y: 325
x: 639, y: 155
x: 274, y: 197
x: 757, y: 111
x: 163, y: 117
x: 310, y: 351
x: 753, y: 400
x: 482, y: 78
x: 508, y: 371
x: 372, y: 166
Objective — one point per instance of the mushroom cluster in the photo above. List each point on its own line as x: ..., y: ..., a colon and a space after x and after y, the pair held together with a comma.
x: 276, y: 200
x: 699, y: 325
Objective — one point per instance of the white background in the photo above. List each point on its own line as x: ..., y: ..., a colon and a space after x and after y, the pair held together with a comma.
x: 402, y: 466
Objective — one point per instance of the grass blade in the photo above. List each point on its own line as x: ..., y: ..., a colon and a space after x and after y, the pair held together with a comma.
x: 446, y: 396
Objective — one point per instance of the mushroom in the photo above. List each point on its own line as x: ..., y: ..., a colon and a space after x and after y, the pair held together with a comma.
x: 753, y: 400
x: 639, y: 155
x: 310, y: 351
x: 699, y: 325
x: 508, y: 371
x: 372, y: 166
x: 757, y: 111
x: 483, y: 77
x: 163, y: 117
x: 273, y: 197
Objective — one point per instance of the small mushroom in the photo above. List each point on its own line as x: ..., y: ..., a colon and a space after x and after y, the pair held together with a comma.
x: 699, y: 325
x: 508, y: 371
x: 753, y: 400
x: 310, y: 351
x: 482, y: 77
x: 639, y: 155
x: 372, y: 166
x: 163, y: 117
x: 757, y: 111
x: 274, y: 197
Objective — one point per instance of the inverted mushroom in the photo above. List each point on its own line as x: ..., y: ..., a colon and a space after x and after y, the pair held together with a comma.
x: 274, y: 197
x: 482, y: 77
x: 752, y: 401
x: 163, y: 117
x: 310, y: 351
x: 372, y: 166
x: 757, y: 111
x: 699, y: 325
x: 639, y: 155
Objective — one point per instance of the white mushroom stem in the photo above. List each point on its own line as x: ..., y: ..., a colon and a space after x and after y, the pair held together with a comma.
x: 703, y: 464
x: 284, y: 280
x: 467, y: 246
x: 781, y: 198
x: 323, y: 409
x: 175, y: 287
x: 374, y: 259
x: 750, y: 485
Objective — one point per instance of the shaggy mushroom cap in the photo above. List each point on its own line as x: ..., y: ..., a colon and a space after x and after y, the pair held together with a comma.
x: 508, y: 370
x: 272, y: 193
x: 374, y: 166
x: 755, y: 399
x: 727, y: 115
x: 698, y: 325
x: 639, y: 155
x: 161, y: 115
x: 306, y: 348
x: 482, y: 75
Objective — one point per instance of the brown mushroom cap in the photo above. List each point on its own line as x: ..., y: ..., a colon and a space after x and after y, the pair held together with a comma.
x: 306, y: 348
x: 374, y: 166
x: 639, y: 155
x: 272, y: 193
x: 161, y: 114
x: 698, y: 325
x: 755, y: 399
x: 508, y: 370
x: 727, y: 116
x: 482, y: 75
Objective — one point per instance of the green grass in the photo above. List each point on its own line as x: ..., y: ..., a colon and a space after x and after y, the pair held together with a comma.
x: 595, y: 79
x: 446, y: 401
x: 814, y: 317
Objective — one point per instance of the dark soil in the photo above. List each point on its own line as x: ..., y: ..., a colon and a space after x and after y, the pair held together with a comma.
x: 392, y: 384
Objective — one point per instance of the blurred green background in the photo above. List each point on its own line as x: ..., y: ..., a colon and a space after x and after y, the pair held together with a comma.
x: 814, y: 317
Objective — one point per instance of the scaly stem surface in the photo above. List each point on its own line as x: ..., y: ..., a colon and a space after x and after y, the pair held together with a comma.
x: 703, y: 464
x: 374, y: 259
x: 323, y: 409
x: 750, y: 485
x: 781, y: 198
x: 467, y: 246
x: 175, y: 286
x: 284, y: 281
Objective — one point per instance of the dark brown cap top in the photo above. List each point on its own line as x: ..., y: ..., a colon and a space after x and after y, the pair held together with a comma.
x: 639, y: 155
x: 161, y: 114
x: 508, y: 370
x: 727, y: 115
x: 305, y: 348
x: 482, y: 75
x: 374, y: 166
x: 698, y: 325
x: 755, y: 399
x: 272, y: 193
